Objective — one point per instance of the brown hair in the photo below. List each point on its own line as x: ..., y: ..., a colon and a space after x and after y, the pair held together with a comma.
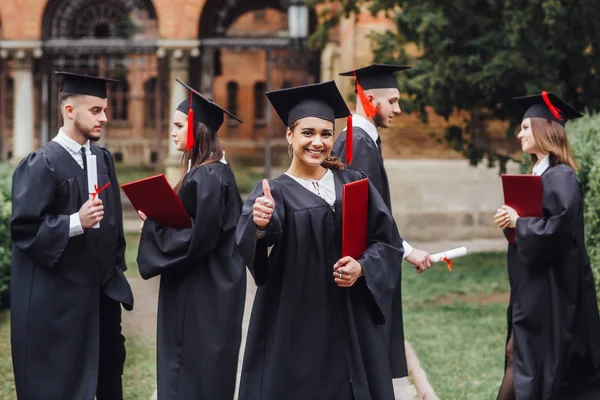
x: 330, y: 162
x: 207, y: 150
x: 551, y: 138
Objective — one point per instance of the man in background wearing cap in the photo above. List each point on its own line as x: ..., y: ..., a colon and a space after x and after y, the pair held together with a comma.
x: 376, y: 106
x: 67, y: 282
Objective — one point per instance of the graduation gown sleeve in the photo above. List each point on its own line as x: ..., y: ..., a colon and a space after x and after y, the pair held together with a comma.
x: 253, y: 250
x: 35, y: 229
x: 541, y: 240
x: 121, y: 244
x: 382, y: 259
x: 164, y: 249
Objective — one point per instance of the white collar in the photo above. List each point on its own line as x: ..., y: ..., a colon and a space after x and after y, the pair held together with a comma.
x: 366, y: 125
x: 326, y: 179
x: 71, y: 144
x: 541, y: 166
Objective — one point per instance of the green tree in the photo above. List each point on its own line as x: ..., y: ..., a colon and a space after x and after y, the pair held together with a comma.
x: 475, y: 55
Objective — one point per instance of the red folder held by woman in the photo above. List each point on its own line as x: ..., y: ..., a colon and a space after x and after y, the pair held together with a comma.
x: 355, y: 208
x: 156, y: 198
x: 524, y: 194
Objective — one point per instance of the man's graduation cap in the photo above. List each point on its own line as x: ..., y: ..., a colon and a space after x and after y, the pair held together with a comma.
x: 374, y: 76
x: 201, y: 109
x: 320, y: 100
x: 88, y: 85
x: 547, y: 106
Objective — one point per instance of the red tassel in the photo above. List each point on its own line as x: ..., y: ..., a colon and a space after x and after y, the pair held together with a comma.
x: 190, y: 131
x: 370, y: 109
x: 349, y: 141
x: 555, y: 111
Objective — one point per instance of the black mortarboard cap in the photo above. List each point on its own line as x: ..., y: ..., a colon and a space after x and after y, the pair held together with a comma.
x: 320, y: 100
x: 377, y: 76
x: 88, y: 85
x: 547, y: 106
x: 205, y: 110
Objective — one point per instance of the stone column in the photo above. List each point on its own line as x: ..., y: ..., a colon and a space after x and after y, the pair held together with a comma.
x: 178, y: 68
x: 23, y: 117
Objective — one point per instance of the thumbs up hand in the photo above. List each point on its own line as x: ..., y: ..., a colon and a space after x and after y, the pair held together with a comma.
x: 263, y: 207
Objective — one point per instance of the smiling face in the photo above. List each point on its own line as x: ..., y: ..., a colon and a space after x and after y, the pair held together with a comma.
x: 528, y: 144
x: 179, y: 132
x: 311, y: 140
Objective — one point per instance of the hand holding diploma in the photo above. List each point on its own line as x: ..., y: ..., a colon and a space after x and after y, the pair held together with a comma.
x: 91, y: 213
x: 449, y: 255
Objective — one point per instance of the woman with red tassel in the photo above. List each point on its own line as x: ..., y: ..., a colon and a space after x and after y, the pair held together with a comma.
x: 316, y: 327
x: 553, y: 340
x: 203, y: 277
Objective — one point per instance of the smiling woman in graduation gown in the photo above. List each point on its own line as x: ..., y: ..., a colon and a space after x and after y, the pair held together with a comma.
x: 553, y: 345
x: 309, y: 336
x: 203, y: 278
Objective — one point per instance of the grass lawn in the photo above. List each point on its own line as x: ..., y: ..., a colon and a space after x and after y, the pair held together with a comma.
x: 456, y: 331
x: 133, y: 240
x: 127, y: 174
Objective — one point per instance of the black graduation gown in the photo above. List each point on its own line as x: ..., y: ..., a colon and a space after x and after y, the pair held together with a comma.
x: 202, y: 289
x: 309, y: 338
x: 553, y: 313
x: 367, y: 159
x: 56, y: 281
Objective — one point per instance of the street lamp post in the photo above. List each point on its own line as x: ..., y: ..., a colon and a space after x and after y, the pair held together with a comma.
x: 298, y: 33
x: 298, y: 28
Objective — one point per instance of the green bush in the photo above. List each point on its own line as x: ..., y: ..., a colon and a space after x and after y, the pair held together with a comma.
x: 584, y: 137
x: 5, y: 242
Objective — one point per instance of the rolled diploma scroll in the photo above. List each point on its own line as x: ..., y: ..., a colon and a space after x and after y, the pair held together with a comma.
x: 450, y: 254
x: 92, y: 178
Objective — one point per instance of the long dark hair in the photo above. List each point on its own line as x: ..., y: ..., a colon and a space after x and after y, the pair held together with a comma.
x: 551, y: 138
x: 330, y: 162
x: 207, y: 150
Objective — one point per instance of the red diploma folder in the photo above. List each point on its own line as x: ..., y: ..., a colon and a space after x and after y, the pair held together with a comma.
x: 355, y: 206
x: 155, y: 198
x: 524, y: 194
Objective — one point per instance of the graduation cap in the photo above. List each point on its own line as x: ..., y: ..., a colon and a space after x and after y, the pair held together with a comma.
x: 374, y: 76
x: 201, y: 109
x: 547, y: 106
x: 320, y: 100
x: 83, y: 84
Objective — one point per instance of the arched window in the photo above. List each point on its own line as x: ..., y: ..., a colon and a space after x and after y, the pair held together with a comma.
x: 232, y: 102
x: 259, y: 103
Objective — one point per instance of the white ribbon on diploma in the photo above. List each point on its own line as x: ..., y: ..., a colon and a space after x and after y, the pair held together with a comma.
x: 92, y: 178
x: 449, y: 254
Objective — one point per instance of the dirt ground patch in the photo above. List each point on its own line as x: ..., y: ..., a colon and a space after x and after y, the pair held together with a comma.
x: 494, y: 298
